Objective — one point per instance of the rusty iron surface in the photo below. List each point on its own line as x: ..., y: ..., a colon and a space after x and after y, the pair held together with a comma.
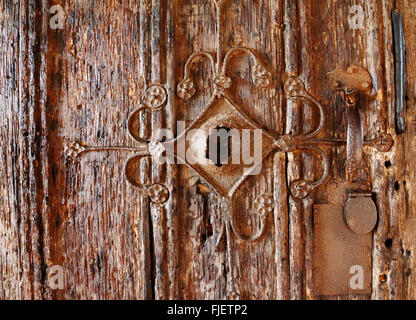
x: 399, y: 47
x: 351, y: 79
x: 360, y: 213
x: 337, y: 250
x: 350, y: 82
x: 355, y: 142
x: 225, y: 179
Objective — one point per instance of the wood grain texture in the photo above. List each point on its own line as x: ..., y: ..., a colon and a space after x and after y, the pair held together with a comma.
x: 82, y: 82
x: 406, y: 179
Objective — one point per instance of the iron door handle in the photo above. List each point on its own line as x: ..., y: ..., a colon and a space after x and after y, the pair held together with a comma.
x: 351, y: 83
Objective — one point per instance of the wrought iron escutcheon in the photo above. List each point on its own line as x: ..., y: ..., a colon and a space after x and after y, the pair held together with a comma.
x: 343, y: 227
x: 224, y: 180
x: 220, y: 111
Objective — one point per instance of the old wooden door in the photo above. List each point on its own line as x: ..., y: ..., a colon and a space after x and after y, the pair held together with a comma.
x: 85, y: 85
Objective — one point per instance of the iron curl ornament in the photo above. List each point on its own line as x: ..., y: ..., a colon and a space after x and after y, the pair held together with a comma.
x: 154, y: 98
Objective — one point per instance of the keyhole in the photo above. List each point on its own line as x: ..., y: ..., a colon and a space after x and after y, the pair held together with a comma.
x: 219, y: 146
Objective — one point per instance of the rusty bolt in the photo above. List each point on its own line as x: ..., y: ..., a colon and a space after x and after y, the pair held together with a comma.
x: 158, y: 193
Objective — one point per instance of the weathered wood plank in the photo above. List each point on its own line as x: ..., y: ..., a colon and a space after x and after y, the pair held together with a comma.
x: 406, y: 244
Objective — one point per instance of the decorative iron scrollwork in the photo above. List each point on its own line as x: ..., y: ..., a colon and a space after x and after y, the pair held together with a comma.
x: 222, y: 110
x: 154, y: 99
